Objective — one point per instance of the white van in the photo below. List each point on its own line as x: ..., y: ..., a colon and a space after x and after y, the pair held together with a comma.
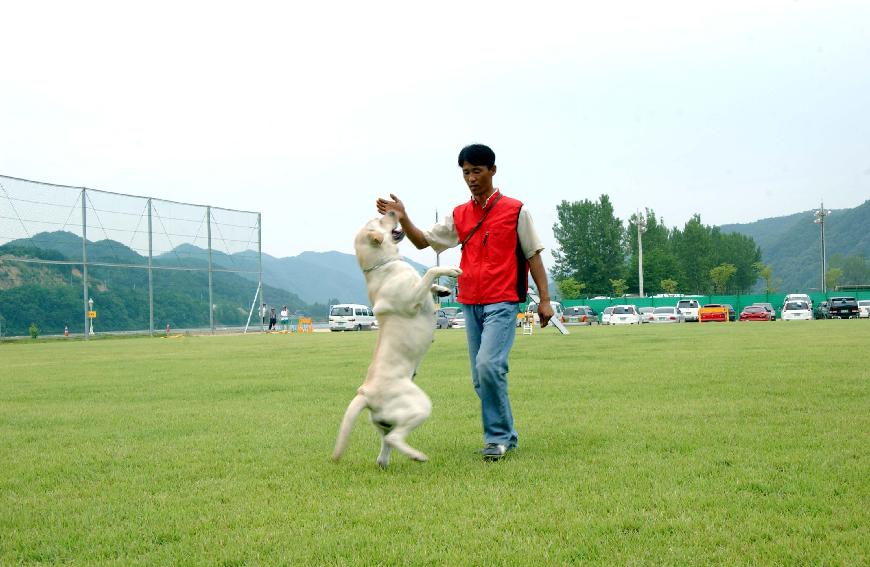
x: 351, y: 317
x: 798, y: 297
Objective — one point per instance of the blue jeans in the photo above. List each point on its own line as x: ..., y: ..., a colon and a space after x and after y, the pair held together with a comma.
x: 491, y: 330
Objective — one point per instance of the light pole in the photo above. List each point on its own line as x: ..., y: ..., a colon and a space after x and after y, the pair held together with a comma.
x: 820, y: 215
x: 641, y: 228
x: 90, y: 315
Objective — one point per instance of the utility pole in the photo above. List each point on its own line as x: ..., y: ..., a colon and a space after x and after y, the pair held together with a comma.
x: 641, y: 228
x: 820, y: 215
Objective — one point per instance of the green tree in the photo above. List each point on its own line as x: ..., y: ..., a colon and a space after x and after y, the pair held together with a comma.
x: 590, y: 241
x: 739, y: 250
x: 619, y: 286
x: 569, y: 288
x: 856, y: 271
x: 668, y: 286
x: 693, y: 249
x: 720, y: 276
x: 659, y: 261
x: 765, y: 272
x: 833, y: 277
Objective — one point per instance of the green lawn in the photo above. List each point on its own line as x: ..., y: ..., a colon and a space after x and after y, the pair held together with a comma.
x: 737, y: 444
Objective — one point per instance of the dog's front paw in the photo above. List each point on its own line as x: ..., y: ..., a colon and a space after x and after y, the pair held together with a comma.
x: 453, y: 271
x: 440, y: 290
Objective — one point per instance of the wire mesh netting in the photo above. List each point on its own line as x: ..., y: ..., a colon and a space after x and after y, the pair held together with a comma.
x: 144, y: 262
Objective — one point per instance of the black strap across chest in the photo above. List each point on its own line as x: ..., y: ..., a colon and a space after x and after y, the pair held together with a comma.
x: 480, y: 222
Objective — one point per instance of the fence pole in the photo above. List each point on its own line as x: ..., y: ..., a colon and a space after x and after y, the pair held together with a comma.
x: 210, y: 298
x: 260, y: 263
x: 150, y: 275
x: 85, y: 259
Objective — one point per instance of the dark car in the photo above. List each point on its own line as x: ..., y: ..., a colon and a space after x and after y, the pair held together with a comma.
x: 755, y: 313
x: 821, y: 310
x: 732, y: 315
x: 580, y: 315
x: 441, y: 320
x: 843, y: 308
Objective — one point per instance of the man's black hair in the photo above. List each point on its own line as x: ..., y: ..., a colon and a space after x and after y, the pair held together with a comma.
x: 477, y: 154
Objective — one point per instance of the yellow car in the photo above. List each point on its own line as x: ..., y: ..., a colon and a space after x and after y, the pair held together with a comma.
x: 713, y: 312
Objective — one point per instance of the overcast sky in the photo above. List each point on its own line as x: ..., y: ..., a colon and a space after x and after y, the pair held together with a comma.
x: 307, y: 112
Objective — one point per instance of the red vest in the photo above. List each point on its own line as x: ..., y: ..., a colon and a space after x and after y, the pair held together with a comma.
x: 494, y: 267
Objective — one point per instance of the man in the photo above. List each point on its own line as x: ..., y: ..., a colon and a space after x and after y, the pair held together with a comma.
x: 499, y: 248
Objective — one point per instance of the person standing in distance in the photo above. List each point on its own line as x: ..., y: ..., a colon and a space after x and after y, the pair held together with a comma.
x: 499, y: 248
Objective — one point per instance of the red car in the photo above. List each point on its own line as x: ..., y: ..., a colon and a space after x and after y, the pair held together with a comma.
x: 754, y: 313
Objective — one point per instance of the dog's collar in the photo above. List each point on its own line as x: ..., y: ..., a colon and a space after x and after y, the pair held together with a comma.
x: 381, y: 263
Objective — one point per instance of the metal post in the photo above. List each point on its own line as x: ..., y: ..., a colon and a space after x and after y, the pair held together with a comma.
x: 260, y: 265
x: 820, y: 215
x: 641, y: 228
x: 210, y: 298
x: 85, y: 259
x: 150, y: 275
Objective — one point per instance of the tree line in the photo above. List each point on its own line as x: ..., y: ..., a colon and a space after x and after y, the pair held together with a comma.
x: 598, y: 254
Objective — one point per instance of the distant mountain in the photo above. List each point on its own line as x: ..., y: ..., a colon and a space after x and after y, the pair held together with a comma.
x: 316, y: 277
x: 792, y: 244
x: 50, y: 294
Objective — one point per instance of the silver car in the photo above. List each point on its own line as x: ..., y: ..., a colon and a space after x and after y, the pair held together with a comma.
x: 646, y: 314
x: 667, y: 315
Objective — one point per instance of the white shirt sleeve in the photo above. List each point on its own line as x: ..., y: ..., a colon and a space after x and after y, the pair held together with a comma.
x: 529, y: 239
x: 443, y: 235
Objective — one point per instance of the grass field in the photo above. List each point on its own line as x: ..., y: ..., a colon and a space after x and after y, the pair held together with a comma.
x: 737, y: 444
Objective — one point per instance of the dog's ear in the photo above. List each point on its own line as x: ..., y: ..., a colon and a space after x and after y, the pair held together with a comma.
x: 376, y: 238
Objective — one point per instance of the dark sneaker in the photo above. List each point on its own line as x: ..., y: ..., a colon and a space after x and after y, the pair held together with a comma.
x: 494, y: 451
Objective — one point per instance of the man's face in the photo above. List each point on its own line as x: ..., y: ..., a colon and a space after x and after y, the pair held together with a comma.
x: 479, y: 180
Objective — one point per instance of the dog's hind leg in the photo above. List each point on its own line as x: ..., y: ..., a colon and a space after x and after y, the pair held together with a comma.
x: 383, y: 429
x: 396, y: 437
x: 384, y: 456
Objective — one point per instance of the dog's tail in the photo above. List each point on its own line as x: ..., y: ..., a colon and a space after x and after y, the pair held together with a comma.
x: 353, y: 410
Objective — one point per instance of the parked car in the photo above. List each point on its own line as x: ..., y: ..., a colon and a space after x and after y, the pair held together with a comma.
x: 351, y: 317
x: 580, y: 315
x: 458, y: 321
x: 821, y: 310
x: 625, y: 315
x: 667, y: 315
x: 441, y: 320
x: 770, y: 309
x: 557, y: 311
x: 798, y: 297
x: 864, y: 308
x: 646, y: 314
x: 604, y: 316
x: 451, y: 313
x: 843, y: 308
x: 755, y: 313
x: 797, y: 311
x: 732, y: 315
x: 713, y: 312
x: 689, y: 308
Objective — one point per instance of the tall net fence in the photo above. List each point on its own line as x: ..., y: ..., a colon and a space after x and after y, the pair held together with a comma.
x: 73, y: 258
